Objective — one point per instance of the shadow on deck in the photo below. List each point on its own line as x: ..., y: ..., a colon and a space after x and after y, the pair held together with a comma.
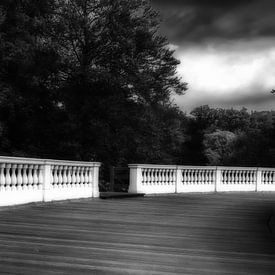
x: 175, y: 234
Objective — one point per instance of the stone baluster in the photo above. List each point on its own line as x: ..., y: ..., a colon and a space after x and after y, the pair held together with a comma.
x: 13, y: 177
x: 86, y: 175
x: 203, y: 177
x: 242, y: 177
x: 19, y: 177
x: 74, y: 180
x: 35, y: 176
x: 246, y: 177
x: 199, y: 176
x: 78, y: 179
x: 188, y: 180
x: 229, y: 178
x: 235, y: 175
x: 81, y: 174
x: 52, y: 175
x: 184, y: 176
x: 25, y: 177
x: 161, y: 174
x: 144, y: 176
x: 2, y: 177
x: 272, y: 177
x: 55, y: 175
x: 207, y: 176
x: 65, y: 176
x: 173, y: 176
x: 59, y: 169
x: 155, y: 176
x: 224, y: 176
x: 195, y: 179
x: 190, y: 176
x: 211, y: 175
x: 178, y: 179
x: 263, y: 179
x: 158, y: 176
x: 169, y: 176
x: 154, y: 179
x: 40, y: 176
x: 149, y: 176
x: 266, y: 177
x: 30, y: 176
x: 69, y: 179
x: 90, y: 175
x: 249, y: 177
x: 8, y: 177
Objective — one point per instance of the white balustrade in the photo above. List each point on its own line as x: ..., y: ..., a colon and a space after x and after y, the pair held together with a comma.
x: 237, y: 179
x: 156, y: 179
x: 266, y: 179
x: 24, y: 180
x: 152, y: 179
x: 196, y: 179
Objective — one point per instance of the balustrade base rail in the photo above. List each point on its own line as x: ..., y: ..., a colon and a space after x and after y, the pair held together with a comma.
x: 25, y: 180
x: 158, y: 179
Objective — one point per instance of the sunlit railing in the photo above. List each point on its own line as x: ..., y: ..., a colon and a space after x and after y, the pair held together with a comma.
x: 156, y: 179
x: 24, y: 180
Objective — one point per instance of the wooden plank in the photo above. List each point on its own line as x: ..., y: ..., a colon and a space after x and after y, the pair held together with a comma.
x: 173, y: 234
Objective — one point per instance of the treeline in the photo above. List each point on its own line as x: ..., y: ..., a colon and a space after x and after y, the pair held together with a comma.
x: 92, y: 80
x: 230, y: 137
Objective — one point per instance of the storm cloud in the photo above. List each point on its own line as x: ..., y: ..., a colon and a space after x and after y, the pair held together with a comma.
x: 199, y: 21
x: 226, y: 49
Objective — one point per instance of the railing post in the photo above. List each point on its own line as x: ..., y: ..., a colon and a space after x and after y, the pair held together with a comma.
x: 258, y: 179
x: 135, y: 179
x: 178, y: 179
x: 95, y: 181
x: 218, y: 179
x: 46, y: 185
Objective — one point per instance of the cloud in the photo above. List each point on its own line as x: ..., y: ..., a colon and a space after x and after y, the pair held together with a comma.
x: 226, y: 49
x: 228, y: 75
x: 189, y: 21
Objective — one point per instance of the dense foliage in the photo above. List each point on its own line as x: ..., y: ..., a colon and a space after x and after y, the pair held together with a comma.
x: 87, y: 80
x: 231, y: 137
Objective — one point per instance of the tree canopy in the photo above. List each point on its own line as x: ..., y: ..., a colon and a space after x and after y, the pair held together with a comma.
x: 88, y: 80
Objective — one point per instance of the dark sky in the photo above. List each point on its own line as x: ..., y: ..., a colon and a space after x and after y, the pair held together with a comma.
x: 226, y: 48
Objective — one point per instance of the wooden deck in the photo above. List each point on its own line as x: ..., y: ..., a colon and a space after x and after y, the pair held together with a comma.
x: 176, y: 234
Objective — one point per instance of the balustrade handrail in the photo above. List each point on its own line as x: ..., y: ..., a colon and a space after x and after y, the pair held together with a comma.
x: 23, y: 160
x: 152, y: 166
x: 135, y: 165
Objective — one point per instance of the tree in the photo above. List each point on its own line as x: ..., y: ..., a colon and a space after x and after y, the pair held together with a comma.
x: 28, y: 66
x: 219, y: 147
x: 87, y: 80
x: 113, y: 59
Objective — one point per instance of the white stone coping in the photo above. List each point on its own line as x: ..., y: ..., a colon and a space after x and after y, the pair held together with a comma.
x: 161, y: 166
x: 152, y: 166
x: 18, y: 160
